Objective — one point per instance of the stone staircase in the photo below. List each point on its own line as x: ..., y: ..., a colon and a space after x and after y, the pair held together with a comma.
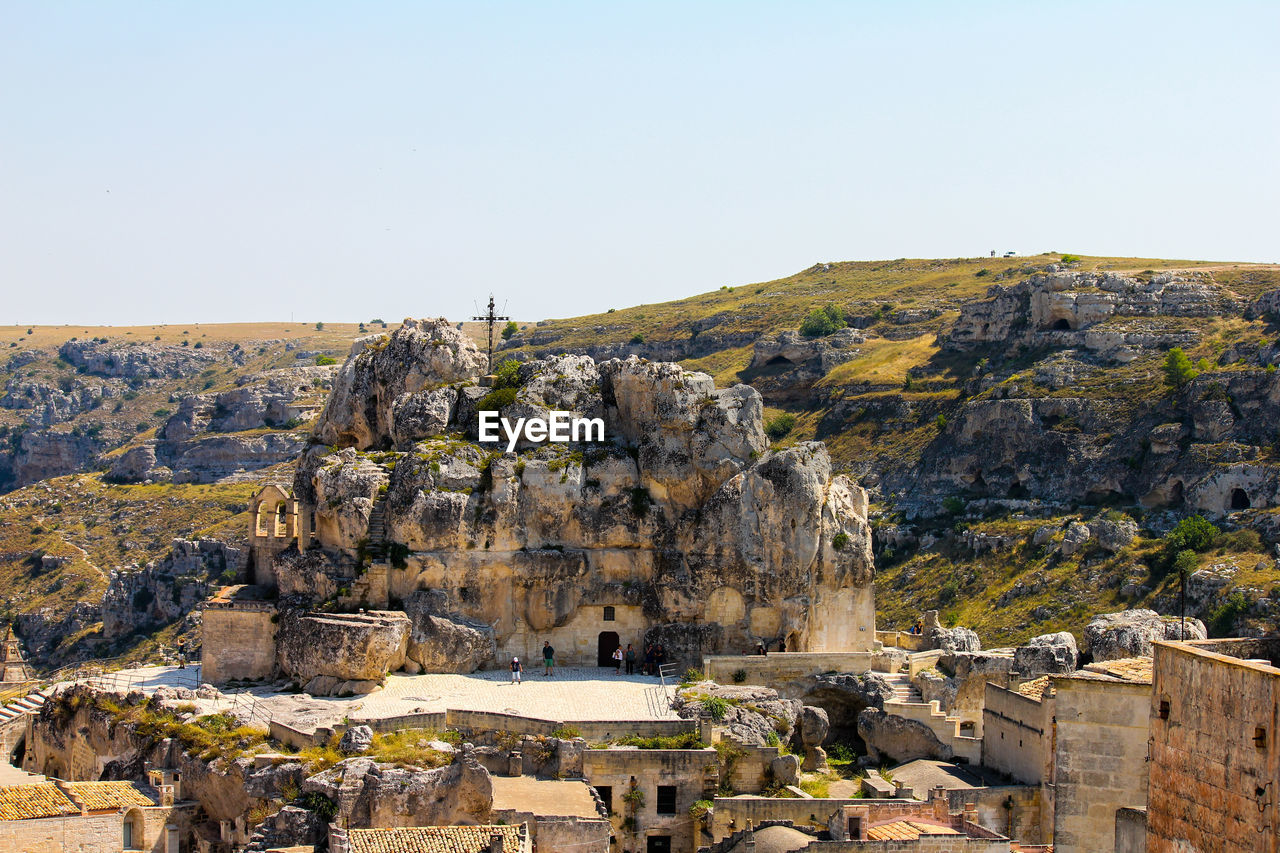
x: 377, y: 547
x: 903, y: 688
x: 29, y: 704
x: 908, y: 702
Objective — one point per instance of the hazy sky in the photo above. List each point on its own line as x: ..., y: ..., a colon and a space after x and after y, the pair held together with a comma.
x: 176, y: 162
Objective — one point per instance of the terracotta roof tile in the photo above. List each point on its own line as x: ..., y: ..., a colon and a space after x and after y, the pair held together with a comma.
x: 906, y: 830
x: 22, y: 802
x: 1129, y: 669
x: 106, y: 796
x: 433, y: 839
x: 1037, y: 688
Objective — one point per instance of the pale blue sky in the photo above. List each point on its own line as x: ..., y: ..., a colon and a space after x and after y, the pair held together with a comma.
x: 175, y: 162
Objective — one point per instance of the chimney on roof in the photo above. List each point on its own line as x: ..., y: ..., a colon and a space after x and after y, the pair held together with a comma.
x: 495, y: 843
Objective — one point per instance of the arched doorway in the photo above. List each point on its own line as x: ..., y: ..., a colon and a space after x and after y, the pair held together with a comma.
x: 605, y: 647
x: 132, y: 831
x: 1239, y: 499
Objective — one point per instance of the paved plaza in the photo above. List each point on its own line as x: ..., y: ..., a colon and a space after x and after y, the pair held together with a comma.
x: 572, y: 694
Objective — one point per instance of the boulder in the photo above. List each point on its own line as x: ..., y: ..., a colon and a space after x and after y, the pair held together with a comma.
x: 1047, y: 654
x: 813, y: 731
x: 956, y: 639
x: 1074, y: 538
x: 291, y: 827
x: 785, y: 769
x: 1130, y: 633
x: 356, y: 739
x: 445, y: 643
x: 894, y: 739
x: 1113, y: 536
x: 346, y: 647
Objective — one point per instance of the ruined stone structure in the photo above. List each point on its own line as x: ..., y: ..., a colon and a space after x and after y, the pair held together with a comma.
x: 680, y: 528
x: 1215, y: 765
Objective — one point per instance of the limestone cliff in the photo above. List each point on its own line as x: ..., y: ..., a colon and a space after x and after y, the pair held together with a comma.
x: 681, y: 525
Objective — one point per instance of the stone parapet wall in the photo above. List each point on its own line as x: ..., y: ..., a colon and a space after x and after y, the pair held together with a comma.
x: 773, y: 669
x: 1017, y: 734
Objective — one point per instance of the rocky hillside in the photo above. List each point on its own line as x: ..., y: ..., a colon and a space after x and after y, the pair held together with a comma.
x: 1025, y: 453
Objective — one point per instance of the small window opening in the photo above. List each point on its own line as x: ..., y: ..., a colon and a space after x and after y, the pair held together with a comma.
x: 609, y: 614
x: 666, y: 799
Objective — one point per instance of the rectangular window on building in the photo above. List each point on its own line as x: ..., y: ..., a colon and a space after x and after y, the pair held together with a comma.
x: 606, y: 796
x: 609, y: 614
x: 666, y: 799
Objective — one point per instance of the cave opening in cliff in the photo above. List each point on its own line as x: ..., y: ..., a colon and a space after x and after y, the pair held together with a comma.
x: 1239, y: 499
x: 1017, y: 490
x: 1175, y: 494
x: 778, y: 359
x: 1062, y: 325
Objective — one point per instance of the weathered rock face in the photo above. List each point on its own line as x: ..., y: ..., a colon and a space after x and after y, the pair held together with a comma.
x: 344, y: 647
x: 420, y: 356
x: 270, y: 399
x: 1129, y: 633
x: 1047, y: 654
x: 801, y: 360
x: 290, y: 827
x: 890, y: 738
x: 751, y: 714
x: 1069, y: 305
x: 373, y: 795
x: 958, y: 639
x: 42, y: 454
x: 680, y: 521
x: 137, y: 360
x: 167, y: 590
x: 843, y: 697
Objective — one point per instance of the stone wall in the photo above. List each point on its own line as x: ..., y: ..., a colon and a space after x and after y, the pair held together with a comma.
x: 1131, y: 831
x: 1017, y: 811
x: 1017, y: 735
x: 238, y: 642
x: 779, y: 667
x: 1100, y: 758
x: 1214, y: 759
x: 103, y: 833
x: 693, y: 772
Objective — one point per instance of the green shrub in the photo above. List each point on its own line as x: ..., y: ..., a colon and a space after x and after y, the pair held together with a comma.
x: 941, y: 422
x: 954, y: 505
x: 497, y: 399
x: 716, y: 708
x: 323, y: 360
x: 840, y: 540
x: 507, y: 375
x: 1070, y: 259
x: 319, y: 327
x: 699, y: 808
x: 821, y: 322
x: 692, y: 675
x: 778, y: 427
x: 510, y: 329
x: 1195, y: 533
x: 739, y: 676
x: 1223, y: 619
x: 684, y: 740
x: 637, y: 338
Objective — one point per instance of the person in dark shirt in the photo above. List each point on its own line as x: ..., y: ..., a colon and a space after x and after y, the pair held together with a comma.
x: 631, y: 660
x: 548, y: 657
x: 516, y: 669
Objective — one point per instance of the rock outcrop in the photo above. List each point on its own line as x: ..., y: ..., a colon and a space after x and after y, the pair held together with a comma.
x: 169, y: 589
x: 680, y: 518
x: 750, y: 714
x: 331, y: 653
x: 1129, y: 633
x: 1048, y: 654
x: 368, y: 794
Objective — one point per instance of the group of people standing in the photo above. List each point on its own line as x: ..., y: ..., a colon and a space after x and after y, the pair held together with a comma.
x: 654, y: 657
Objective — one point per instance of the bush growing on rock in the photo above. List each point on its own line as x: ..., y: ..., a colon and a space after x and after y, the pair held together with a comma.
x: 823, y: 321
x: 778, y: 427
x: 1178, y: 369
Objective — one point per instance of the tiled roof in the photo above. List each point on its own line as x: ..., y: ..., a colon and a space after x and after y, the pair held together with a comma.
x: 1129, y: 669
x: 906, y: 830
x: 21, y: 802
x: 106, y: 796
x: 433, y: 839
x: 1037, y: 688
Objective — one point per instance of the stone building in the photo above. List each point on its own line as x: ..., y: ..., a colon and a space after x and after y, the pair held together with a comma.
x: 88, y: 817
x: 1100, y: 752
x: 433, y: 839
x: 680, y: 528
x: 1215, y: 764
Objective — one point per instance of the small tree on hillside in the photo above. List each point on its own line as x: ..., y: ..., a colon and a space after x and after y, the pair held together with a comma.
x: 510, y: 329
x: 1178, y: 369
x: 823, y: 321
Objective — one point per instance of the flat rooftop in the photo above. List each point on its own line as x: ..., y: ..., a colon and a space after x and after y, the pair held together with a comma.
x: 543, y: 797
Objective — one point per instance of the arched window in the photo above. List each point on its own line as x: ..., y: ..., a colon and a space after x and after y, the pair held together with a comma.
x: 262, y: 527
x: 282, y: 519
x: 132, y: 830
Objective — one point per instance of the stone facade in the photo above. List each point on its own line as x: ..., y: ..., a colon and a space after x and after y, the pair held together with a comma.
x: 1215, y: 764
x: 238, y: 633
x: 13, y: 666
x: 1018, y: 734
x: 615, y: 773
x: 1100, y: 756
